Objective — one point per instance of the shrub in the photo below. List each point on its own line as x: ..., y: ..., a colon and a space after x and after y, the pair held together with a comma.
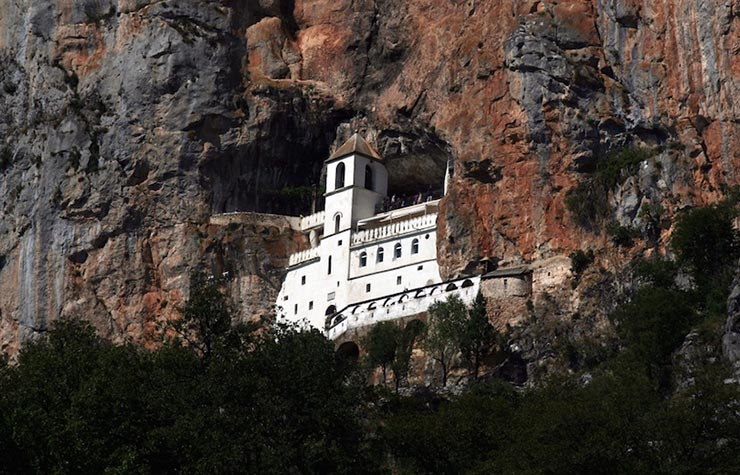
x: 580, y: 260
x: 588, y: 202
x: 623, y: 236
x: 705, y: 241
x: 654, y: 324
x: 656, y: 272
x: 611, y: 170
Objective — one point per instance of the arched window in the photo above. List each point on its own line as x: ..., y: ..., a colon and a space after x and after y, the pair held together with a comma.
x: 363, y: 259
x: 369, y: 177
x: 380, y: 257
x: 328, y: 267
x: 337, y: 222
x: 397, y: 251
x: 415, y: 246
x: 339, y: 176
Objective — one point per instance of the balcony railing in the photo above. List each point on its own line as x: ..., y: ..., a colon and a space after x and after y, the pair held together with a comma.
x: 312, y: 221
x: 303, y: 256
x: 401, y: 201
x: 395, y: 229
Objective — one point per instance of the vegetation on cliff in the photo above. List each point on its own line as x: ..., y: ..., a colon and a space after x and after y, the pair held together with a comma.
x: 225, y: 399
x: 283, y: 403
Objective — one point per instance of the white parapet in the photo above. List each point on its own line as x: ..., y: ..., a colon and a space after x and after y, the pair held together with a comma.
x: 404, y: 304
x: 303, y: 256
x: 395, y: 229
x: 251, y: 218
x: 312, y: 221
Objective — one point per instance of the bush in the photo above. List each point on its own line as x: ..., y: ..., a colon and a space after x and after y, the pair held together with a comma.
x: 654, y: 324
x: 705, y: 241
x: 623, y: 236
x: 616, y: 165
x: 656, y: 272
x: 588, y: 202
x: 580, y: 260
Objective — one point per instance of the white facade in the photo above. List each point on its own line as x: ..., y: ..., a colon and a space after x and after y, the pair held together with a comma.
x: 360, y: 256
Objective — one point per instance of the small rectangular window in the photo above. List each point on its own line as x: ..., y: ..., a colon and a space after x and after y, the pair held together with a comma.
x: 310, y: 305
x: 367, y: 288
x: 420, y: 268
x: 330, y: 296
x: 285, y: 298
x: 339, y: 243
x: 303, y: 280
x: 398, y: 280
x: 295, y: 309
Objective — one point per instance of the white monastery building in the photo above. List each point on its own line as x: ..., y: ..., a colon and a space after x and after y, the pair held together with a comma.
x: 366, y: 265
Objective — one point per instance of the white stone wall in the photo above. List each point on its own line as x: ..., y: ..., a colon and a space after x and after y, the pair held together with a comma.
x: 401, y: 305
x: 348, y: 282
x: 426, y: 240
x: 294, y: 297
x: 310, y: 290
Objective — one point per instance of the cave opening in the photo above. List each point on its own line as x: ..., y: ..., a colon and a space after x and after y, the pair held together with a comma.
x: 279, y: 170
x: 416, y: 165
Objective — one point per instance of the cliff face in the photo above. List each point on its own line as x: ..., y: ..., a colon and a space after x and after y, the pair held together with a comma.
x: 127, y: 123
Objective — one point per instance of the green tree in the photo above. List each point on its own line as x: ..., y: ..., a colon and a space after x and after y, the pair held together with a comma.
x: 698, y: 429
x: 454, y: 437
x: 206, y: 321
x: 705, y: 241
x: 306, y: 407
x: 479, y: 337
x: 381, y: 345
x: 11, y: 460
x: 86, y: 394
x: 706, y: 245
x: 653, y: 325
x: 401, y: 364
x: 563, y: 426
x: 447, y: 322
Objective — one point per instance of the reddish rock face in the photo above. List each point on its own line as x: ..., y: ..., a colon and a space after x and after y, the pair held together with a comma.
x: 128, y: 119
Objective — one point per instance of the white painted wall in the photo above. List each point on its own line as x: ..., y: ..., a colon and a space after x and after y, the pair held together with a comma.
x: 309, y: 288
x: 401, y: 305
x: 348, y: 282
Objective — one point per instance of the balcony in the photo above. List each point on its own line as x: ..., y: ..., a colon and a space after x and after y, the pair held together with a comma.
x: 428, y: 221
x: 303, y: 256
x: 312, y: 221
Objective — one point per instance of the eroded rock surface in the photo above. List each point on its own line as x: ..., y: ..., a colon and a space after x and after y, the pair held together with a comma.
x: 127, y: 123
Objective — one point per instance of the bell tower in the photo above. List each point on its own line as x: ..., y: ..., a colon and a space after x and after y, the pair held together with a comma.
x: 356, y: 183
